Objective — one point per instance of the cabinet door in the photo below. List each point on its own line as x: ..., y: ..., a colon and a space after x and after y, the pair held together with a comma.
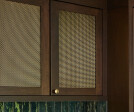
x: 76, y: 50
x: 24, y: 54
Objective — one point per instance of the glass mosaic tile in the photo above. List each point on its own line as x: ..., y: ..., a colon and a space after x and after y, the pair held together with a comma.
x: 65, y: 106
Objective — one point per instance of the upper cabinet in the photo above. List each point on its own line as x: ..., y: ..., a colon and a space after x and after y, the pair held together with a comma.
x: 76, y: 50
x: 72, y: 63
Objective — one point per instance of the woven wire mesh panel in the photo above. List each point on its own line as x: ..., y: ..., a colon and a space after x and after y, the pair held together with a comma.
x: 19, y: 44
x: 77, y: 50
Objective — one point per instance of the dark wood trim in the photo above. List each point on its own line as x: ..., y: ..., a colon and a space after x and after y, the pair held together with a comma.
x: 104, y: 52
x: 76, y: 91
x: 131, y: 61
x: 31, y: 2
x: 54, y: 45
x: 20, y: 91
x: 131, y: 54
x: 50, y: 98
x: 91, y: 3
x: 112, y: 4
x: 56, y: 6
x: 75, y: 8
x: 99, y: 53
x: 45, y: 48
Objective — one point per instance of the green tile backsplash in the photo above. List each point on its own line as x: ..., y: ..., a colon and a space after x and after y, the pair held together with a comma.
x: 72, y: 106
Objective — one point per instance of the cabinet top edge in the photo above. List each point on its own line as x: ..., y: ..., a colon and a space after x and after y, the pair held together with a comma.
x: 102, y: 4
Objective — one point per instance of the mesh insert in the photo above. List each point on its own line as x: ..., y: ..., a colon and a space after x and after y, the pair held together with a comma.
x: 77, y: 52
x: 19, y: 44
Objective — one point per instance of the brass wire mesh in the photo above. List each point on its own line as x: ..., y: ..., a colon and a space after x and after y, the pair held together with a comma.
x: 19, y: 44
x: 77, y: 51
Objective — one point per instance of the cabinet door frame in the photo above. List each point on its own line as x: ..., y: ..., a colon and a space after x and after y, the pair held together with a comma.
x: 44, y: 54
x: 55, y: 8
x: 91, y: 3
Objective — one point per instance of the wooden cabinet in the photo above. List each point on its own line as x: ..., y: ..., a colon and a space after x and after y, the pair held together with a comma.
x: 76, y: 49
x: 57, y: 50
x: 72, y: 63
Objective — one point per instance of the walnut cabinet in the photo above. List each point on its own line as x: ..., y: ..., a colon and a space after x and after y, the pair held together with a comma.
x: 67, y: 50
x: 52, y: 48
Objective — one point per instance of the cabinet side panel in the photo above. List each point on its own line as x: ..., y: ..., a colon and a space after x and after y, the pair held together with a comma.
x: 118, y: 71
